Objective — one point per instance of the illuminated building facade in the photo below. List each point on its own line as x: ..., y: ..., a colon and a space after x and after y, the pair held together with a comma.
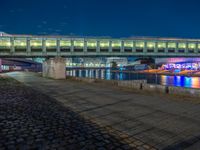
x: 179, y: 63
x: 45, y: 46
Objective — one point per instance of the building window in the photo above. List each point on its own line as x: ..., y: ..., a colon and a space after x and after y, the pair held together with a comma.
x: 20, y: 43
x: 171, y: 45
x: 198, y: 46
x: 139, y: 50
x: 104, y: 44
x: 190, y: 51
x: 116, y: 44
x: 5, y: 43
x: 181, y: 50
x: 36, y: 43
x: 50, y: 43
x: 139, y: 45
x: 171, y: 50
x: 161, y: 45
x: 79, y: 43
x: 191, y: 46
x: 150, y: 50
x: 181, y: 45
x: 91, y: 44
x: 128, y: 44
x: 150, y: 45
x: 161, y: 50
x: 65, y: 43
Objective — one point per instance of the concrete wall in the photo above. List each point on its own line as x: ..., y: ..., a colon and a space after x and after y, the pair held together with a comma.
x: 172, y: 90
x: 184, y: 91
x: 0, y: 65
x: 54, y: 68
x: 144, y: 86
x: 154, y: 88
x: 135, y: 84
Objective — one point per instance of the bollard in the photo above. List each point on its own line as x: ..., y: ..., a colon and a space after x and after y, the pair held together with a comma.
x: 166, y: 89
x: 141, y: 87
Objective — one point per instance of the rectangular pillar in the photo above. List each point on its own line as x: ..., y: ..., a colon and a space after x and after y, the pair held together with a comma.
x: 54, y: 68
x: 0, y: 65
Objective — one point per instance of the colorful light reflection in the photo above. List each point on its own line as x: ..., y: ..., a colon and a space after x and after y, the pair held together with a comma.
x: 182, y: 81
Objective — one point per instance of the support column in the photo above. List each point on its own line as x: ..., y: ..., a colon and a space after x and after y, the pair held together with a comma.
x: 0, y: 65
x: 122, y: 47
x: 54, y: 68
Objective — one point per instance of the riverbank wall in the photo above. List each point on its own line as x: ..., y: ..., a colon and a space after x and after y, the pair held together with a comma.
x: 159, y: 73
x: 142, y: 85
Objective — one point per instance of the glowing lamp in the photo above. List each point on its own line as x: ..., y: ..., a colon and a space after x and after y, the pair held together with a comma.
x: 22, y: 44
x: 8, y: 44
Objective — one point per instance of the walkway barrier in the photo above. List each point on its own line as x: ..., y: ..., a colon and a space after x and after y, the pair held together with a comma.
x: 143, y: 85
x: 154, y: 88
x: 184, y: 91
x: 135, y: 84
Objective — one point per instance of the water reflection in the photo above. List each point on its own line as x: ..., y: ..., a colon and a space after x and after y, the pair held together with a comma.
x: 190, y: 82
x: 107, y: 74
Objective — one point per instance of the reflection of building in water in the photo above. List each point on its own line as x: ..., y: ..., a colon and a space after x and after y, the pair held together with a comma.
x: 183, y: 81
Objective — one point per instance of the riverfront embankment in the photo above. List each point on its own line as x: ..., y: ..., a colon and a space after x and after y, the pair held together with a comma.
x: 157, y: 120
x: 30, y: 119
x: 186, y: 73
x: 142, y: 86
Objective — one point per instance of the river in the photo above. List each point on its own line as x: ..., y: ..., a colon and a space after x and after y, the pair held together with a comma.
x: 107, y: 74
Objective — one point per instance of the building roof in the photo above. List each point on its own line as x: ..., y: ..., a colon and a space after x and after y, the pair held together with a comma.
x: 100, y: 37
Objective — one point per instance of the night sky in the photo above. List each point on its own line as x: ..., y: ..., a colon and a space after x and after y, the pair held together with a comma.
x: 114, y: 18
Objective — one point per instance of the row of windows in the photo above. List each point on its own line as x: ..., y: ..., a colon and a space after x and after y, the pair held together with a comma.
x: 138, y: 50
x: 104, y: 44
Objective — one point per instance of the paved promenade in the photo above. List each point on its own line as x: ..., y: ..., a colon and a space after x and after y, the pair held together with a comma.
x: 132, y: 120
x: 30, y: 120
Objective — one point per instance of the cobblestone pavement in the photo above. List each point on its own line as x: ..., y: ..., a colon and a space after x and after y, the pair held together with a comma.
x: 158, y: 120
x: 31, y: 120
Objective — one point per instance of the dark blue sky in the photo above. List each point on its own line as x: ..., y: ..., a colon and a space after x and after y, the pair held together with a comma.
x: 115, y: 18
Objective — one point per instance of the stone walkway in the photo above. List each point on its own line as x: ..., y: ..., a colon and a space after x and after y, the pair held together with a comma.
x: 31, y: 120
x: 143, y: 120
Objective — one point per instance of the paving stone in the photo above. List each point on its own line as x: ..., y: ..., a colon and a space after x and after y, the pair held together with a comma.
x: 42, y: 120
x: 36, y: 121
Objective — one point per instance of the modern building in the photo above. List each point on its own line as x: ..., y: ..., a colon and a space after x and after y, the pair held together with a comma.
x: 67, y: 46
x: 30, y: 46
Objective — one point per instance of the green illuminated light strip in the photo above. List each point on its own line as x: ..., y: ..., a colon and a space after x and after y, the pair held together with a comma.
x: 91, y: 44
x: 65, y: 43
x: 5, y: 43
x: 191, y: 45
x: 20, y: 43
x: 104, y: 44
x: 36, y: 43
x: 161, y: 45
x: 51, y: 43
x: 171, y: 45
x: 198, y: 46
x: 116, y: 43
x: 150, y: 45
x: 182, y: 45
x: 128, y: 44
x: 139, y: 44
x: 78, y: 43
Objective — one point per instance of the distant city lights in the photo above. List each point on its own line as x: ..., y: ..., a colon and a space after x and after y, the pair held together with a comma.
x: 182, y: 66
